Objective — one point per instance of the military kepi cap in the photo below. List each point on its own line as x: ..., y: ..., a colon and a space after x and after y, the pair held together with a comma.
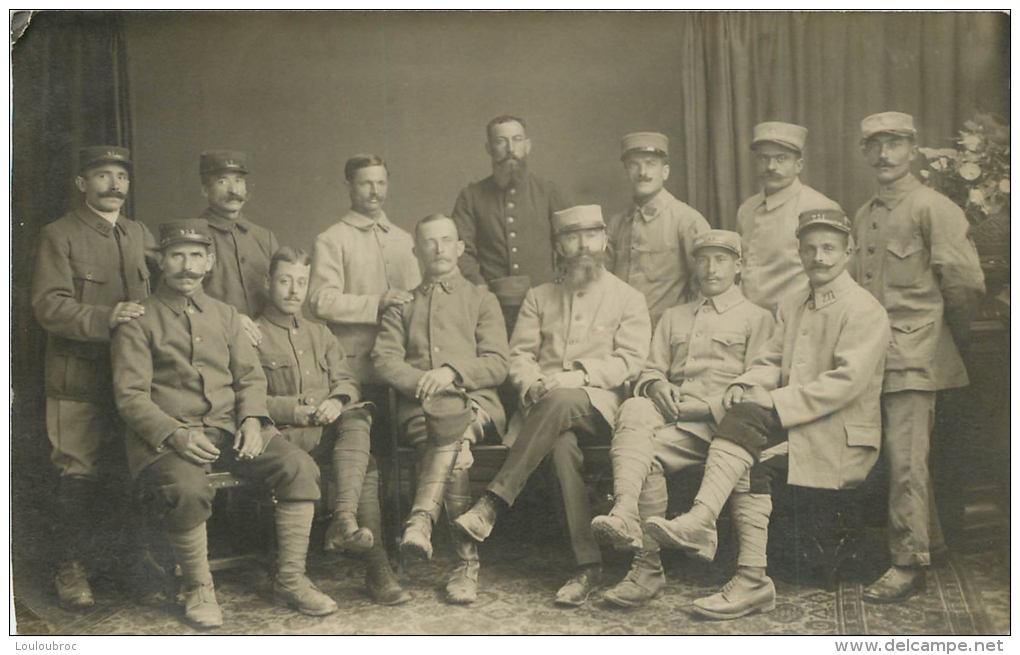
x: 647, y: 142
x: 574, y: 219
x: 217, y: 161
x: 718, y: 239
x: 96, y: 155
x: 787, y: 135
x: 833, y: 218
x: 185, y: 230
x: 891, y: 122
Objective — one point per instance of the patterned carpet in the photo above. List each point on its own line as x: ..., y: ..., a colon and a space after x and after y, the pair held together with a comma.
x: 518, y: 581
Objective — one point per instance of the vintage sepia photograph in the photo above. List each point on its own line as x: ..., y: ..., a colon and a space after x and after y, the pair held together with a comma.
x: 510, y: 323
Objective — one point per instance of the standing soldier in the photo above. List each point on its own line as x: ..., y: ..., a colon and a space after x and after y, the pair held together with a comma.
x: 504, y: 220
x: 767, y: 220
x: 578, y: 341
x: 193, y: 396
x: 651, y: 245
x: 697, y: 351
x: 450, y: 337
x: 242, y: 248
x: 91, y: 274
x: 914, y: 255
x: 361, y: 266
x: 313, y: 394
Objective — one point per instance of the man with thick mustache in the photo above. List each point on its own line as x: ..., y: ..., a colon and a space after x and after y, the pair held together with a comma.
x: 449, y: 338
x: 243, y: 249
x: 361, y: 266
x: 577, y: 341
x: 914, y: 255
x: 767, y: 221
x: 504, y: 220
x: 193, y: 396
x: 91, y: 273
x: 651, y: 245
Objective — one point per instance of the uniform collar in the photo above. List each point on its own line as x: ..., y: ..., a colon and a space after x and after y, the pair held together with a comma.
x: 225, y: 224
x: 278, y: 318
x: 448, y: 283
x: 829, y: 293
x: 891, y: 195
x: 781, y: 197
x: 362, y: 222
x: 653, y: 207
x: 89, y: 217
x: 725, y: 301
x: 178, y: 302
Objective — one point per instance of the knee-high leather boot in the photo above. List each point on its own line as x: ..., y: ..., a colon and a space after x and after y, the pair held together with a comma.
x: 447, y: 418
x: 462, y: 585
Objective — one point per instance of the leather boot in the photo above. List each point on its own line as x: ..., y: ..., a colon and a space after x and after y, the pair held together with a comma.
x: 382, y: 584
x: 643, y: 582
x: 693, y: 532
x: 292, y: 586
x: 437, y: 464
x: 76, y: 497
x: 621, y: 528
x: 192, y: 553
x: 462, y: 585
x: 478, y: 521
x: 344, y: 535
x: 577, y: 590
x: 749, y: 591
x: 896, y: 585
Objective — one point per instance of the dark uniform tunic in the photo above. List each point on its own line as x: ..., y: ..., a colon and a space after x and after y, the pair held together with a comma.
x: 85, y: 266
x: 243, y: 252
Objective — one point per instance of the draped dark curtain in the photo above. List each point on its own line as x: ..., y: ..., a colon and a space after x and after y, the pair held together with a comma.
x: 827, y: 72
x: 69, y: 79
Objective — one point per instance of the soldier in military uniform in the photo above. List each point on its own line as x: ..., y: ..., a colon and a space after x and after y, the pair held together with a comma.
x: 190, y: 389
x: 767, y: 220
x: 361, y: 266
x: 698, y: 349
x: 577, y: 342
x: 504, y: 219
x: 314, y: 399
x: 450, y: 337
x: 91, y: 274
x: 807, y: 407
x: 651, y: 244
x: 243, y: 249
x: 914, y: 255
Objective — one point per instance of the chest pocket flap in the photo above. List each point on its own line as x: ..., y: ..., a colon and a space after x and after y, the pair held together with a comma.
x: 274, y: 360
x: 729, y: 338
x: 88, y: 271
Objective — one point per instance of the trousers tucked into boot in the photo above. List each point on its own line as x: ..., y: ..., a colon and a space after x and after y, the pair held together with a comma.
x: 380, y: 580
x: 462, y: 585
x: 436, y: 466
x: 76, y: 496
x: 350, y: 461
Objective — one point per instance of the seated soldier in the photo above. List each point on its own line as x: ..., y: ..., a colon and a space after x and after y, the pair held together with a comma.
x: 697, y: 350
x: 807, y: 406
x: 576, y: 343
x: 312, y: 391
x: 450, y: 336
x: 193, y: 397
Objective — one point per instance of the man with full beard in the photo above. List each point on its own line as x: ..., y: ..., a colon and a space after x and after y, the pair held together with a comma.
x: 504, y: 220
x: 578, y: 340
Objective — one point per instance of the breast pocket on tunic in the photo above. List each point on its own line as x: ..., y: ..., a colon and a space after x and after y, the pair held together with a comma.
x: 90, y: 282
x: 660, y: 264
x: 678, y: 347
x: 905, y: 263
x: 281, y: 372
x: 913, y: 345
x: 729, y: 348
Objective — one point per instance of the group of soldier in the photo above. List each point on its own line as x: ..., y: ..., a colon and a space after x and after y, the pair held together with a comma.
x: 799, y: 346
